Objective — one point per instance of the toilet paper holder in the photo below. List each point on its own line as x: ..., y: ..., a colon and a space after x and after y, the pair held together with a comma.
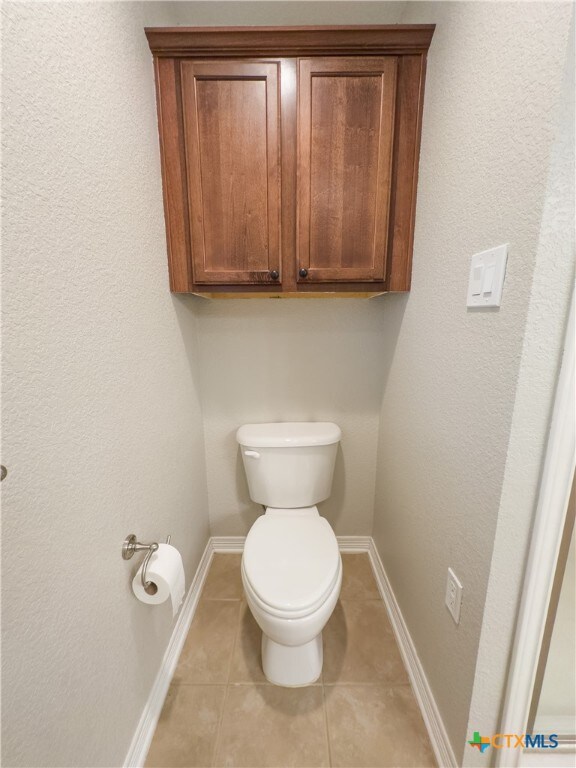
x: 132, y: 545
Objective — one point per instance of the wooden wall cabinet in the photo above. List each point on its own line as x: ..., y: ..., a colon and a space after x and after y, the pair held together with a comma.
x: 290, y: 157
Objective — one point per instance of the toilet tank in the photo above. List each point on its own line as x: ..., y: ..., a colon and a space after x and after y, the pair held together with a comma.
x: 289, y: 464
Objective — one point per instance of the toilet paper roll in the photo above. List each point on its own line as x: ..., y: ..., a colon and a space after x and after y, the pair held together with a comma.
x: 166, y: 572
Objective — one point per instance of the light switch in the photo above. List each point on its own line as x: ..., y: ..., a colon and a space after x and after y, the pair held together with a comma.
x: 489, y: 279
x: 477, y: 275
x: 487, y: 271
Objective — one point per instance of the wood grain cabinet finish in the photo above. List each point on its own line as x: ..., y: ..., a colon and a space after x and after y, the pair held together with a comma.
x: 345, y: 133
x: 290, y: 157
x: 232, y: 152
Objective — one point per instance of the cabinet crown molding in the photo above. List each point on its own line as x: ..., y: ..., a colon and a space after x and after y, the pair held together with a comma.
x: 290, y: 41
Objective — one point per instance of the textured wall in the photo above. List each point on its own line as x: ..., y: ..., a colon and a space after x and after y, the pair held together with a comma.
x: 552, y: 283
x: 102, y: 431
x: 287, y: 12
x: 292, y: 360
x: 494, y: 78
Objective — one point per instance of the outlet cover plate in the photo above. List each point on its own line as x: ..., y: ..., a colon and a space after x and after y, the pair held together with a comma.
x: 487, y: 272
x: 453, y: 597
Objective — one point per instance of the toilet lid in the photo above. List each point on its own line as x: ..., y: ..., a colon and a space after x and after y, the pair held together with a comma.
x: 291, y: 562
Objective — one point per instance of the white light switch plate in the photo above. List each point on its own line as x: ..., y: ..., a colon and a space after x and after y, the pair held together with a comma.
x: 487, y: 270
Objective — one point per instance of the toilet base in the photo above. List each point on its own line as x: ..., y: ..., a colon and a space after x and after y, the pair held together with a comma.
x: 292, y: 665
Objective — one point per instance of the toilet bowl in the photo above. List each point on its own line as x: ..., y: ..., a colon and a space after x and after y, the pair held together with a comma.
x: 291, y: 565
x: 292, y: 574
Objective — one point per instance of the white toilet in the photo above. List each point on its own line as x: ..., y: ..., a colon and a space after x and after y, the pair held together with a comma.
x: 291, y: 566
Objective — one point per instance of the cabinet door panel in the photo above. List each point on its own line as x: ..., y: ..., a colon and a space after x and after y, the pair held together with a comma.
x: 231, y: 123
x: 345, y: 133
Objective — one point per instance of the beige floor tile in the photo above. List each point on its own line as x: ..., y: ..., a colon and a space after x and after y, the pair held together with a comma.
x: 270, y: 727
x: 247, y: 658
x: 188, y: 726
x: 359, y: 646
x: 358, y: 581
x: 376, y: 726
x: 224, y: 581
x: 208, y: 648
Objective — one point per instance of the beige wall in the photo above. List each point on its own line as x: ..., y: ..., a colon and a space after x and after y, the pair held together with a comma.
x: 287, y: 12
x: 552, y: 283
x: 494, y: 78
x: 102, y: 430
x: 291, y: 360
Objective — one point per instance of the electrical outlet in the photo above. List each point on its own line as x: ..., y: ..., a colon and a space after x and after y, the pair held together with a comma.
x: 453, y: 595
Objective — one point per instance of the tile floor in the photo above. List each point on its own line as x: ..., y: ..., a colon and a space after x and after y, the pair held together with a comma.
x: 221, y: 711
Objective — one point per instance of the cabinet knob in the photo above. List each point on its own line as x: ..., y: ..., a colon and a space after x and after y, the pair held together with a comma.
x: 303, y: 272
x: 274, y: 274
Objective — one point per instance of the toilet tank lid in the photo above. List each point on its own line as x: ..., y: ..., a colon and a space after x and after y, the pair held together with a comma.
x: 289, y: 434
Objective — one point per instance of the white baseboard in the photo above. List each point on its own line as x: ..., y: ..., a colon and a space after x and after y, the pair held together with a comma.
x: 138, y: 751
x: 350, y: 544
x: 347, y: 544
x: 236, y: 543
x: 432, y: 719
x: 227, y: 543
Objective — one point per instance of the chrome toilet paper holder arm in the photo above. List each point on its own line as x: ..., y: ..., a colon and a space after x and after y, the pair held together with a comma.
x: 132, y: 545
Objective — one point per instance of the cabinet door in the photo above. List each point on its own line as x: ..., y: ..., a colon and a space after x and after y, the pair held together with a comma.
x: 232, y: 148
x: 345, y: 135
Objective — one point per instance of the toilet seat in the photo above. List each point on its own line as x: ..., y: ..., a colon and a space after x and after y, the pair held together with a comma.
x: 291, y: 563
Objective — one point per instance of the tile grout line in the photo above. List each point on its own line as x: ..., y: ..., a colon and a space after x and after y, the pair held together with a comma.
x: 235, y: 641
x: 227, y: 688
x: 221, y: 600
x: 379, y: 684
x: 333, y: 685
x: 237, y: 634
x: 327, y: 687
x: 326, y: 726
